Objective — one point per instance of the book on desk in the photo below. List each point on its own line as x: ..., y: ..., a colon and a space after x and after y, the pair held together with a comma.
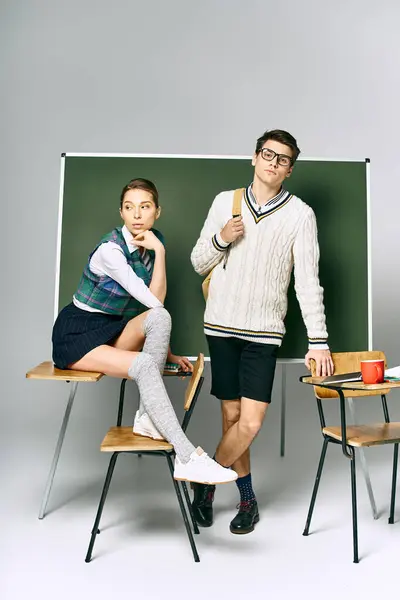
x: 343, y: 377
x: 390, y: 375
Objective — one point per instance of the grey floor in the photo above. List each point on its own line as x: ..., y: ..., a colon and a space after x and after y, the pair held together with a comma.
x: 143, y: 548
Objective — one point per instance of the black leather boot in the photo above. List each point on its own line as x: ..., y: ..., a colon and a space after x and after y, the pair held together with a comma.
x: 246, y: 518
x: 202, y: 503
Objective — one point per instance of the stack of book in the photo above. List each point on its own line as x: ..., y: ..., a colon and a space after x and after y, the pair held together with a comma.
x: 171, y: 368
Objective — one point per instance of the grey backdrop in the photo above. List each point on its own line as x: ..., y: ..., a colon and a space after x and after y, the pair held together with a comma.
x: 170, y: 77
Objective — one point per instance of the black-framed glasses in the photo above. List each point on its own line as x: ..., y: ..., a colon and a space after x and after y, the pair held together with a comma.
x: 283, y: 159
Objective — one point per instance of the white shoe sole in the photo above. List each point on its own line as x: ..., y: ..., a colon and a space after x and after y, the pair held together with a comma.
x: 205, y: 482
x: 147, y: 435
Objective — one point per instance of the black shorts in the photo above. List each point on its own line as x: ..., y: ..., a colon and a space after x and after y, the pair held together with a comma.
x: 241, y: 369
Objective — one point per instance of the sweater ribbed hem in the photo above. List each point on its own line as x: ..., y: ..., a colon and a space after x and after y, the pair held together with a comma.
x: 263, y: 337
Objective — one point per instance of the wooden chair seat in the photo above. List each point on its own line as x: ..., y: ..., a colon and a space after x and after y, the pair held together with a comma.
x: 122, y: 439
x: 46, y: 370
x: 367, y: 435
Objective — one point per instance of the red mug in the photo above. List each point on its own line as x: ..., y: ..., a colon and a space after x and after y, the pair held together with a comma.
x: 373, y: 371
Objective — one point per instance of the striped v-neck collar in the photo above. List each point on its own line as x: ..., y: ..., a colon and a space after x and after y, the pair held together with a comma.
x: 260, y: 212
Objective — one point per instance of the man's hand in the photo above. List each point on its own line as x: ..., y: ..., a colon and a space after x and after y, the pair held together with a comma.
x: 183, y: 362
x: 232, y: 230
x: 323, y: 362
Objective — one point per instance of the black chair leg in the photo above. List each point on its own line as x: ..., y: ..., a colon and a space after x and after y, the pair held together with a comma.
x: 394, y: 481
x: 183, y: 511
x: 189, y: 505
x: 316, y: 486
x: 107, y: 482
x: 354, y: 505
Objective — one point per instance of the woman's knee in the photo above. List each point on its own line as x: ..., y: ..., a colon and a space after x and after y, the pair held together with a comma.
x: 142, y: 363
x: 158, y: 317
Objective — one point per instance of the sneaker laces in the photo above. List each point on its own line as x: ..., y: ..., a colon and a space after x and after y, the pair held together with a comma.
x: 208, y: 462
x: 204, y: 457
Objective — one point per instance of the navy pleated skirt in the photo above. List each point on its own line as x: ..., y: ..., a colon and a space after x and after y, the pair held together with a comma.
x: 76, y: 332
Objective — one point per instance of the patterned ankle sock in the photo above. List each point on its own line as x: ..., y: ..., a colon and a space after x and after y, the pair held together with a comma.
x: 246, y: 489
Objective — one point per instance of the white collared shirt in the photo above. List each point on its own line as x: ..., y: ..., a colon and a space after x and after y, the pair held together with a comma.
x: 109, y: 259
x: 272, y: 204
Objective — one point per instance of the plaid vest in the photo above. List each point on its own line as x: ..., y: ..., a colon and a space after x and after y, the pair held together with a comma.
x: 105, y: 294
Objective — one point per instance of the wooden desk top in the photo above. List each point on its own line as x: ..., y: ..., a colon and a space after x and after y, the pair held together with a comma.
x: 351, y: 385
x: 47, y: 370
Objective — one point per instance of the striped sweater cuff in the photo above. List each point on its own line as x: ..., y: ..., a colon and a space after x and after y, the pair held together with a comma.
x: 219, y: 243
x: 318, y: 344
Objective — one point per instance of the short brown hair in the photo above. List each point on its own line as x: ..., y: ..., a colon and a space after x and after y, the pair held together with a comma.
x: 282, y: 137
x: 140, y: 184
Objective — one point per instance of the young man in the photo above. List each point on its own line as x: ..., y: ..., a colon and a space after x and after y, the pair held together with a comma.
x: 252, y: 256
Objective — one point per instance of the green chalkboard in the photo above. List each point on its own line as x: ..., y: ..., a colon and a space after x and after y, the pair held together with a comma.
x: 336, y: 190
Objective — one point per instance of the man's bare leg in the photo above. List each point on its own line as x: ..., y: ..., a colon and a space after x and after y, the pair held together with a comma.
x: 230, y: 415
x: 204, y: 494
x: 242, y: 432
x: 242, y: 420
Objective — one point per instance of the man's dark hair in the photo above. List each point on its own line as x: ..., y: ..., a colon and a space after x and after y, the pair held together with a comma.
x: 140, y: 184
x: 283, y: 137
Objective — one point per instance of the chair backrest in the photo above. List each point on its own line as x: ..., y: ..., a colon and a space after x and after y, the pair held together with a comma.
x: 194, y: 381
x: 349, y: 362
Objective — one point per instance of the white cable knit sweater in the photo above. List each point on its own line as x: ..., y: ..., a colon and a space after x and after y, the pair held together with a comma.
x: 248, y: 289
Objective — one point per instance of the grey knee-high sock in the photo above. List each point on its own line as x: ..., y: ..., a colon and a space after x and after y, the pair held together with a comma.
x: 158, y: 406
x: 157, y: 331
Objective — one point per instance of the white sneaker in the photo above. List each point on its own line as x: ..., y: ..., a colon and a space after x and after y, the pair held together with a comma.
x: 202, y: 469
x: 144, y: 426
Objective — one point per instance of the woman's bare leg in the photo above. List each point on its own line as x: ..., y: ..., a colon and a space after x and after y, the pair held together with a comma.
x: 132, y: 336
x: 108, y: 360
x: 150, y: 332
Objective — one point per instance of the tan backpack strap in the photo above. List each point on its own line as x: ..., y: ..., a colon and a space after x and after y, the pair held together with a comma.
x: 237, y: 202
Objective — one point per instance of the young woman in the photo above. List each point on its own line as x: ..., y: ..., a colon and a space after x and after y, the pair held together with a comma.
x: 116, y: 324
